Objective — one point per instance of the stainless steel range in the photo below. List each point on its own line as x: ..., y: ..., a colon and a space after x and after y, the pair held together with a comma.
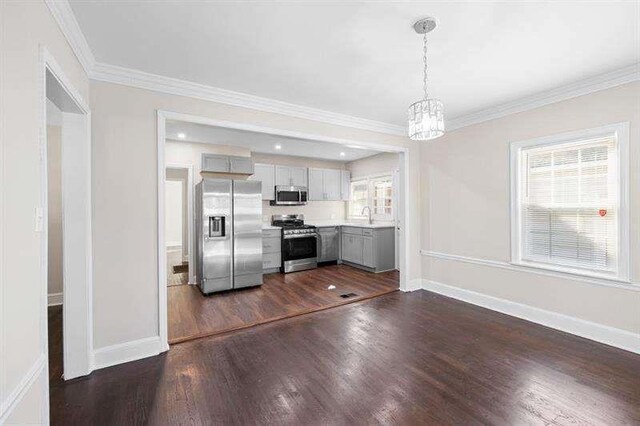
x: 299, y: 243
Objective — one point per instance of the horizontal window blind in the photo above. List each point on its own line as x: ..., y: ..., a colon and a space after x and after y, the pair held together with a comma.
x: 569, y: 204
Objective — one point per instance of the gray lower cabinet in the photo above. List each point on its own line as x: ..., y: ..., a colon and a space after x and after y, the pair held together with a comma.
x: 328, y: 243
x: 271, y: 250
x: 370, y: 249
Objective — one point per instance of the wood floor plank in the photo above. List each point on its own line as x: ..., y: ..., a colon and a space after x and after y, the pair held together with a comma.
x: 402, y: 358
x: 192, y: 315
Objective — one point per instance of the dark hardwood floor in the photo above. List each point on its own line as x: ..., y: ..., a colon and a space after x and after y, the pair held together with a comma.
x: 55, y: 343
x: 192, y: 315
x: 403, y: 358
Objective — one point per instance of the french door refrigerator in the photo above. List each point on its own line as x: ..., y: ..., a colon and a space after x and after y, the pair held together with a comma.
x: 229, y: 234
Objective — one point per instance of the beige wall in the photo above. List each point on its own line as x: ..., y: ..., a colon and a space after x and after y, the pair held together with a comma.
x: 465, y: 208
x: 54, y: 204
x: 376, y: 164
x: 125, y: 198
x: 24, y: 27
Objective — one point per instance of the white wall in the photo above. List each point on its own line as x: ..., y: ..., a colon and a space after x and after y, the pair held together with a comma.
x: 376, y: 164
x: 24, y: 27
x: 465, y: 208
x: 54, y: 219
x: 174, y: 199
x: 124, y: 175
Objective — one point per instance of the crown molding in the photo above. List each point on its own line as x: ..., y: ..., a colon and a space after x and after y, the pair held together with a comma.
x: 66, y: 19
x: 64, y: 16
x: 584, y: 87
x: 174, y: 86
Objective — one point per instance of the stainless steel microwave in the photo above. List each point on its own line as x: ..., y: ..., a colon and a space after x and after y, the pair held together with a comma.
x: 290, y: 196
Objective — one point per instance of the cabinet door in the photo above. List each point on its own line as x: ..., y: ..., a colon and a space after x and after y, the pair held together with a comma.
x: 345, y: 176
x: 368, y: 258
x: 215, y: 163
x: 265, y: 174
x: 298, y: 176
x: 283, y: 176
x: 243, y: 165
x: 332, y: 185
x: 316, y: 185
x: 352, y: 248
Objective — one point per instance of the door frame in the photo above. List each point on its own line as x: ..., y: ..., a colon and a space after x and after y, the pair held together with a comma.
x: 164, y: 115
x: 77, y: 319
x: 189, y: 218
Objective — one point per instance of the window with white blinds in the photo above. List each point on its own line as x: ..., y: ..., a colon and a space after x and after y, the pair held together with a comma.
x: 569, y: 209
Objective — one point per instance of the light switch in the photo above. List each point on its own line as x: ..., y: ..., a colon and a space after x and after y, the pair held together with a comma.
x: 39, y: 219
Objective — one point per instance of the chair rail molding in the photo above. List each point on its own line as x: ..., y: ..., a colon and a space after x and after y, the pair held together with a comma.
x: 632, y: 286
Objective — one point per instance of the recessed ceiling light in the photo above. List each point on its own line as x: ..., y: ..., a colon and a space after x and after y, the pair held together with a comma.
x: 278, y: 146
x: 342, y: 154
x: 181, y: 135
x: 356, y: 147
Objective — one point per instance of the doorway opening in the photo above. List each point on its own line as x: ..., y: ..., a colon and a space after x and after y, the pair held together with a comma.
x: 351, y: 193
x: 66, y: 226
x: 178, y: 223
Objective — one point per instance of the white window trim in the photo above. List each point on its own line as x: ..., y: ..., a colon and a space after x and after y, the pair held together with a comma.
x: 368, y: 179
x: 621, y: 130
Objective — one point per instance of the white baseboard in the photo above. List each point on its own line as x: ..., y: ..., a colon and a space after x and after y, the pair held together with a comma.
x: 13, y: 399
x: 126, y: 352
x: 415, y: 284
x: 54, y: 299
x: 590, y: 330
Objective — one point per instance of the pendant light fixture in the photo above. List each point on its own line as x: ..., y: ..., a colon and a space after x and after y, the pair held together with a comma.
x: 426, y: 117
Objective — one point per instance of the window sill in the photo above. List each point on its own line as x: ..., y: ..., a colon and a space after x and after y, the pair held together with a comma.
x: 570, y: 271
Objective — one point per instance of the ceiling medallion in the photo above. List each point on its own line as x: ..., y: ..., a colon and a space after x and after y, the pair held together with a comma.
x: 426, y: 117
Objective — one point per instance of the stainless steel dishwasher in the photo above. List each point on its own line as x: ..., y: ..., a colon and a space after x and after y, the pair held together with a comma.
x: 328, y: 243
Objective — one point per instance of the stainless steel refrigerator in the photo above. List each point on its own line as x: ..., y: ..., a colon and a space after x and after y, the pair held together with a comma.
x: 229, y: 234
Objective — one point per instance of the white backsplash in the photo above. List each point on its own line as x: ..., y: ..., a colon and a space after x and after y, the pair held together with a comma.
x: 314, y: 210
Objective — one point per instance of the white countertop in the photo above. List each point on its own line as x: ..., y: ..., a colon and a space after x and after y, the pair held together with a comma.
x: 266, y: 226
x: 327, y: 223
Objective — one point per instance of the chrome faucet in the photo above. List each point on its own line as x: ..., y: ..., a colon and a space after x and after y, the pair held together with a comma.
x: 362, y: 212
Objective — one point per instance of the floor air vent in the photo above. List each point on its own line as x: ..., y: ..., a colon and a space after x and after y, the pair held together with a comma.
x: 347, y: 295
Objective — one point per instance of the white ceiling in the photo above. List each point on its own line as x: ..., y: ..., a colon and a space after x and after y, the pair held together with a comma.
x: 264, y: 143
x: 362, y: 58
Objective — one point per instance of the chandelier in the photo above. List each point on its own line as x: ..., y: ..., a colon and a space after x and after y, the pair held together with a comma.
x: 426, y: 117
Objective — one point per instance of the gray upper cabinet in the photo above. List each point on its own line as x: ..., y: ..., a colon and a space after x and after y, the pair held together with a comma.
x: 345, y: 185
x: 325, y: 185
x: 226, y: 164
x: 332, y: 185
x: 242, y: 165
x: 265, y: 173
x: 316, y: 185
x: 291, y: 176
x: 215, y: 163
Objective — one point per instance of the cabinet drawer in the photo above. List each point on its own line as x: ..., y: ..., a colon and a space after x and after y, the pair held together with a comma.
x: 270, y: 260
x: 367, y: 232
x: 351, y: 230
x: 270, y: 245
x: 268, y: 233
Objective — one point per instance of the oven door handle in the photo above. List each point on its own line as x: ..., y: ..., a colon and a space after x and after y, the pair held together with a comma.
x: 288, y: 237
